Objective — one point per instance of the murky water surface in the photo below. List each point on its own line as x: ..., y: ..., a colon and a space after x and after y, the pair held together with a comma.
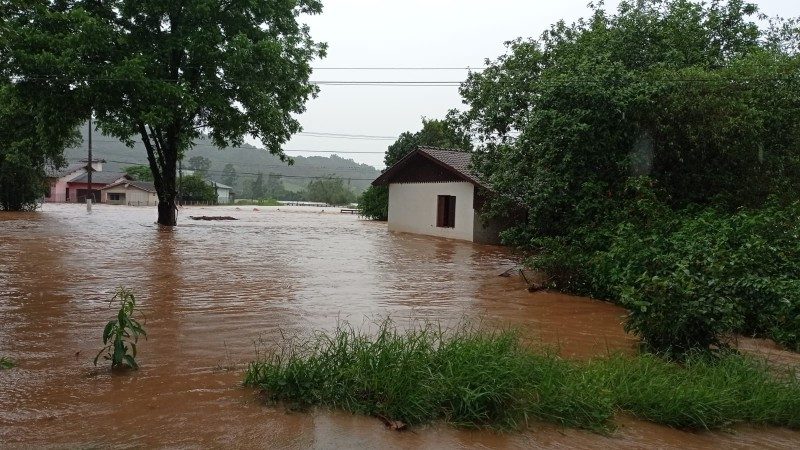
x: 210, y: 289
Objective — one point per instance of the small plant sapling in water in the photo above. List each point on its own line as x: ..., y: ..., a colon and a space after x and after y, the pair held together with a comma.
x: 6, y: 363
x: 121, y: 334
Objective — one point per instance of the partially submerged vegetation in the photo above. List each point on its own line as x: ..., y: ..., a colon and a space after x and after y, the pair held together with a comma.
x: 6, y: 363
x: 655, y: 151
x: 471, y: 377
x: 121, y: 334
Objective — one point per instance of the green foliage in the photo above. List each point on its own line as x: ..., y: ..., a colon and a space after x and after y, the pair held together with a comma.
x: 229, y: 176
x: 6, y: 363
x: 121, y: 334
x: 640, y: 143
x: 690, y: 278
x: 702, y: 393
x: 139, y: 172
x: 472, y: 377
x: 32, y: 140
x: 199, y: 165
x: 435, y: 133
x: 195, y: 189
x: 465, y: 376
x: 374, y: 203
x: 329, y: 190
x: 166, y: 73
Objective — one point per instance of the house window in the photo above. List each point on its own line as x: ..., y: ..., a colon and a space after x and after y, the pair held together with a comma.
x: 113, y: 196
x: 446, y: 211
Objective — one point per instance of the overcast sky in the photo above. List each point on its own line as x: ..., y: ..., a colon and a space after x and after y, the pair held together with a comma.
x: 417, y: 33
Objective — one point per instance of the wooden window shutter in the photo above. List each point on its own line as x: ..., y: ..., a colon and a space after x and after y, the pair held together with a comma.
x: 441, y: 209
x: 451, y: 213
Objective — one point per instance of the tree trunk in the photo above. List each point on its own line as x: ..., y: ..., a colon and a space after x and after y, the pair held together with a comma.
x: 167, y: 211
x: 162, y: 159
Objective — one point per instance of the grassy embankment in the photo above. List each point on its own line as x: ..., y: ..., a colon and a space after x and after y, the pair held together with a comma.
x: 475, y: 378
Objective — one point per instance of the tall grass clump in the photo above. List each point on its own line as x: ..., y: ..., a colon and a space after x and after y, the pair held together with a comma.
x: 466, y: 376
x: 471, y: 377
x: 701, y: 393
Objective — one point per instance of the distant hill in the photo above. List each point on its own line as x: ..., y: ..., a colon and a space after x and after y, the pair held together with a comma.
x: 247, y: 160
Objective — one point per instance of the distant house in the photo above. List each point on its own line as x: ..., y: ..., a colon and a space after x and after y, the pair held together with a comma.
x: 130, y: 192
x: 78, y: 187
x: 432, y: 191
x: 58, y: 191
x: 224, y: 193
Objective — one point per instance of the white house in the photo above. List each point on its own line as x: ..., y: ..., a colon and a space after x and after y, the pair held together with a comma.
x: 432, y: 191
x: 224, y: 193
x: 131, y: 193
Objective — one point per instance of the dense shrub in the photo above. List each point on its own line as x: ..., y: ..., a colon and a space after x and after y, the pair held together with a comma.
x: 374, y: 203
x: 690, y: 277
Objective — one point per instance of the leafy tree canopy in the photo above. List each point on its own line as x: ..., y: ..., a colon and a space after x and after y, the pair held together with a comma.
x: 194, y: 188
x: 435, y: 133
x: 165, y: 72
x: 139, y: 172
x: 199, y: 165
x: 32, y: 140
x: 695, y: 96
x: 229, y: 175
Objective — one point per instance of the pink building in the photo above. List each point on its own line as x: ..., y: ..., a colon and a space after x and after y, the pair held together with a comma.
x: 70, y: 184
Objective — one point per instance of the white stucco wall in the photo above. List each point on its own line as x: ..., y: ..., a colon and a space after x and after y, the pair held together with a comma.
x: 412, y: 208
x: 223, y: 195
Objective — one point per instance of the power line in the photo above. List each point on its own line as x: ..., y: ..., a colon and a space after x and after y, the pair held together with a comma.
x: 296, y: 150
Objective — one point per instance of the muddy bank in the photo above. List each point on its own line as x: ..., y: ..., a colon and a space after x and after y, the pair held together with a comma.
x: 210, y: 289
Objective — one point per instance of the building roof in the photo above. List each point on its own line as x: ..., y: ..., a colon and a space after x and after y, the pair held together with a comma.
x: 141, y: 185
x: 457, y: 162
x: 53, y: 172
x: 99, y: 177
x: 220, y: 185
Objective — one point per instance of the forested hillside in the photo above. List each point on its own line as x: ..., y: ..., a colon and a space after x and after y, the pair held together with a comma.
x: 248, y: 161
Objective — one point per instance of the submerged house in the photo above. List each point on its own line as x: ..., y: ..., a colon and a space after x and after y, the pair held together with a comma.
x: 433, y: 191
x: 77, y: 189
x: 131, y: 193
x: 58, y: 190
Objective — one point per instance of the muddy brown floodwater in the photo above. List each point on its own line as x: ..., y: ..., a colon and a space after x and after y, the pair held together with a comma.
x: 210, y: 289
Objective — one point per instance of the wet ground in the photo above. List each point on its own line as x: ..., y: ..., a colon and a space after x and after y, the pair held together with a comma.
x: 209, y: 290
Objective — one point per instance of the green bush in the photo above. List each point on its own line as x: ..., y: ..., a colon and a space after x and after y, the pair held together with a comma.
x: 374, y: 203
x: 689, y: 278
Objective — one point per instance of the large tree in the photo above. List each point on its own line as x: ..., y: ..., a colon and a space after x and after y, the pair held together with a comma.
x: 446, y: 133
x: 32, y: 140
x: 167, y: 72
x: 694, y: 96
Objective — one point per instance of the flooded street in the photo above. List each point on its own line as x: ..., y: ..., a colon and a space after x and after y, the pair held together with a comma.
x: 209, y: 290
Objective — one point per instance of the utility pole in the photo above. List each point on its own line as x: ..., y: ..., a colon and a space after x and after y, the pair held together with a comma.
x: 180, y: 182
x: 89, y: 168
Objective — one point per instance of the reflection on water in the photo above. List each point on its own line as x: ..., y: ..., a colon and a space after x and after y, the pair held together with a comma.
x: 209, y: 290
